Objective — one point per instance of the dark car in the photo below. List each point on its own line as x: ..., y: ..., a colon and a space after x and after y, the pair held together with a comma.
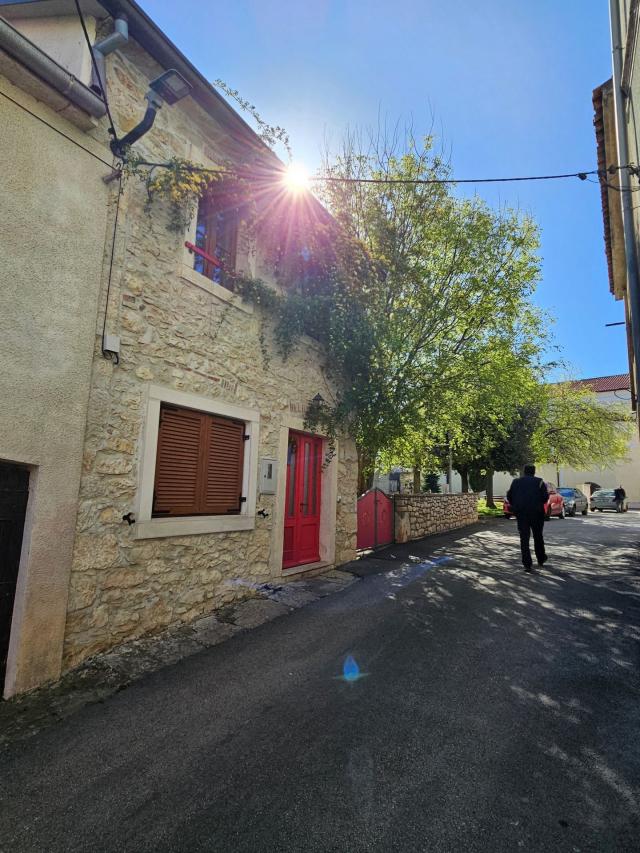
x: 574, y: 500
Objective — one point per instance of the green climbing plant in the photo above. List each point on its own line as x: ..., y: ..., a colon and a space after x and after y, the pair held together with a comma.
x: 178, y: 182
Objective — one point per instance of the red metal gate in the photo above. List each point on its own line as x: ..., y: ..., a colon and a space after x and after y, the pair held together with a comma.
x: 375, y: 519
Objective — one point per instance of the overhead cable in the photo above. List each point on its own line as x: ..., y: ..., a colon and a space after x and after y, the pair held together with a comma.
x: 103, y: 91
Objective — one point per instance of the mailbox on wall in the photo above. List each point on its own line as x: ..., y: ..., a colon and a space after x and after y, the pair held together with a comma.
x: 268, y: 475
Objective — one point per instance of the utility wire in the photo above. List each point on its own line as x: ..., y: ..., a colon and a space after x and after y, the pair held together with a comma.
x: 583, y: 176
x: 338, y: 180
x: 112, y: 129
x: 58, y: 131
x: 106, y: 353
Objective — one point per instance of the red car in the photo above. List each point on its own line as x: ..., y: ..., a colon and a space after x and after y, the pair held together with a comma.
x: 554, y: 506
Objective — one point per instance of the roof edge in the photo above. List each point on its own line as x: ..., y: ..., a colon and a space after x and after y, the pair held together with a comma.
x: 149, y: 35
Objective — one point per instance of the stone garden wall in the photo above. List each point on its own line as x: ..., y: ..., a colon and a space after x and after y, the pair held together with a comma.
x: 423, y: 514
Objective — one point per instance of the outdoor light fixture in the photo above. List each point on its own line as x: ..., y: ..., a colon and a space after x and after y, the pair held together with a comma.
x: 318, y: 399
x: 169, y: 88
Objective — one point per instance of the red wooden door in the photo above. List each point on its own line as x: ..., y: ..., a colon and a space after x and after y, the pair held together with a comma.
x: 302, y: 511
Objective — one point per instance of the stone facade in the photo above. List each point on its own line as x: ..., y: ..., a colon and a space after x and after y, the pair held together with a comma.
x: 183, y: 333
x: 421, y: 515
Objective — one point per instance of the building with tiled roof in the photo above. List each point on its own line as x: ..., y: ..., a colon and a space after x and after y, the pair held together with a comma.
x: 601, y: 384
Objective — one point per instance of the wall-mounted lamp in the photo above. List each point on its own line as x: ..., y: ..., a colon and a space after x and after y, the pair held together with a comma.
x: 169, y: 88
x: 318, y: 399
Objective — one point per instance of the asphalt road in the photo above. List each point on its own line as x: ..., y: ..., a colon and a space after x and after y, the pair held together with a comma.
x: 495, y: 711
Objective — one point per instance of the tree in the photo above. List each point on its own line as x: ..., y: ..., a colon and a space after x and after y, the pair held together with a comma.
x: 490, y: 419
x: 573, y: 428
x: 431, y: 483
x: 450, y: 274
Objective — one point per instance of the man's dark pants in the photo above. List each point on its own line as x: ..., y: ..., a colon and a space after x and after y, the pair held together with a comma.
x: 528, y: 524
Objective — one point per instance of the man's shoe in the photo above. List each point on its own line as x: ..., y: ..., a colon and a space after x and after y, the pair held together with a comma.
x: 528, y: 569
x: 542, y: 562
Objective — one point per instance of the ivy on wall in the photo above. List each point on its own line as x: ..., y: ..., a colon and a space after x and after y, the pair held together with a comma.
x: 320, y: 274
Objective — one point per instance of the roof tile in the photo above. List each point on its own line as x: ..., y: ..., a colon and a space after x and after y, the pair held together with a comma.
x: 618, y: 382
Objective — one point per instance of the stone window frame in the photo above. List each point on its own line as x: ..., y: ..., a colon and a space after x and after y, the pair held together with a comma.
x: 147, y: 527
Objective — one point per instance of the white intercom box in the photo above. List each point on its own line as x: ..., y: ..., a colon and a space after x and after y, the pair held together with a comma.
x: 268, y: 475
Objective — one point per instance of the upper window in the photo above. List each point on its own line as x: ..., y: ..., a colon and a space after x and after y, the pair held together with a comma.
x: 217, y: 236
x: 199, y: 464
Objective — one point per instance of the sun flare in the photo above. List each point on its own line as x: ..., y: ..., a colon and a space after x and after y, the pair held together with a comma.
x: 296, y: 178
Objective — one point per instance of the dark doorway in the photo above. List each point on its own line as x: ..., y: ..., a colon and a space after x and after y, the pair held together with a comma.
x: 14, y: 493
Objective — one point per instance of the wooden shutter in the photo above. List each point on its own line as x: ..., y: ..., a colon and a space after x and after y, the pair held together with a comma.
x: 178, y: 462
x: 222, y: 488
x: 199, y: 464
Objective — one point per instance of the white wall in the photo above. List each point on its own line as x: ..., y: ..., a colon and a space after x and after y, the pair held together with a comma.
x: 52, y: 236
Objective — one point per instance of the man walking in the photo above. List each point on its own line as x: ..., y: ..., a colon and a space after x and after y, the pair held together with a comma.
x: 528, y: 495
x: 619, y: 495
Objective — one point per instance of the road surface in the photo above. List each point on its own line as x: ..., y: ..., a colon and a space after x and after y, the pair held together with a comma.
x: 490, y: 711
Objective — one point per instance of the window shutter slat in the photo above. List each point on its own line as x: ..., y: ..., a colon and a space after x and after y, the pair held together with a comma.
x: 178, y: 462
x: 223, y: 475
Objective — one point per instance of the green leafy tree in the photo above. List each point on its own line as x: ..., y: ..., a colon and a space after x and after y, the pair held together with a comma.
x: 573, y: 428
x: 432, y: 483
x: 448, y: 275
x: 486, y: 418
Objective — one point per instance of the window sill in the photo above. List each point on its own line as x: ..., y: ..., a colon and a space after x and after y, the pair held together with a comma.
x: 217, y: 290
x: 157, y: 528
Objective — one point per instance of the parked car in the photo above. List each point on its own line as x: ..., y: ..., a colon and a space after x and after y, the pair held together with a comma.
x: 605, y: 499
x: 554, y: 506
x: 574, y: 500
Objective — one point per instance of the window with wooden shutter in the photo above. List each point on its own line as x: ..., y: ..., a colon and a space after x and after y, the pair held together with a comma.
x: 199, y: 464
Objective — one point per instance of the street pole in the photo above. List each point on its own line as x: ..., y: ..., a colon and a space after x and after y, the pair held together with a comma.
x: 633, y: 285
x: 450, y: 465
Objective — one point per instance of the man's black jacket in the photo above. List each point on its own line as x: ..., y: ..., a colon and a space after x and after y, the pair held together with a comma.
x: 528, y: 496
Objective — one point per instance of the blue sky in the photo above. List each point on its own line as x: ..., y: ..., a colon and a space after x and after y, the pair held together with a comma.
x: 507, y: 82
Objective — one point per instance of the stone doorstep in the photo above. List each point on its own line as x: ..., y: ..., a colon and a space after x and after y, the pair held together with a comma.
x: 104, y: 674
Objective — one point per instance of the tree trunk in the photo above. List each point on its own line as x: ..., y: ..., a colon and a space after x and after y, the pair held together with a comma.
x: 464, y: 479
x: 417, y: 480
x: 489, y: 488
x: 365, y: 470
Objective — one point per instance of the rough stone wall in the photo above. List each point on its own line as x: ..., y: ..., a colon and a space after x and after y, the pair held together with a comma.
x: 177, y: 335
x: 421, y: 515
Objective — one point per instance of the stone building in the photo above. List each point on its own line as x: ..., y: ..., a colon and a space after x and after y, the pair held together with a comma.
x: 199, y: 479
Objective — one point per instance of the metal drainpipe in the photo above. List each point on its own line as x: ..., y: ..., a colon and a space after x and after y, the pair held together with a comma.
x: 116, y: 39
x: 633, y: 283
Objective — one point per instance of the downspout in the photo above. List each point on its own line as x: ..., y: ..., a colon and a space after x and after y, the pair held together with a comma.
x: 118, y: 38
x: 633, y: 283
x: 29, y: 55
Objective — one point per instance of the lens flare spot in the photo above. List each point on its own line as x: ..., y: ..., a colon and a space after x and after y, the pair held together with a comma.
x: 296, y: 178
x: 350, y: 669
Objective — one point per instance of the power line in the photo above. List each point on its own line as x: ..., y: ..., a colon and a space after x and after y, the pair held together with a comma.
x: 103, y: 91
x: 331, y: 179
x: 583, y: 176
x: 106, y: 353
x: 58, y: 131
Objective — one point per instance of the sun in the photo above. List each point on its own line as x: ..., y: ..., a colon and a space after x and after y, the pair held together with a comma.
x: 296, y: 178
